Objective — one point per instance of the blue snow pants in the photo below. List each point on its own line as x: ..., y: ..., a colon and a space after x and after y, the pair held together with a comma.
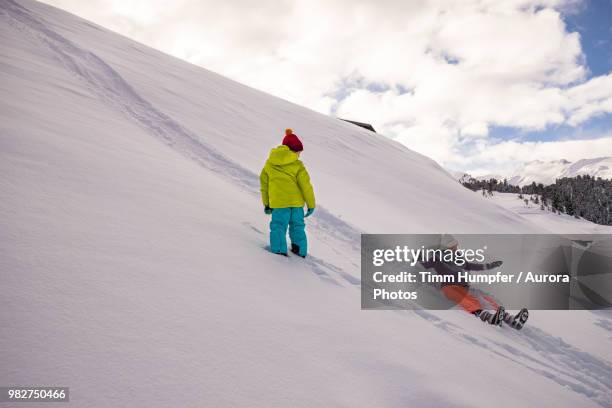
x: 294, y: 218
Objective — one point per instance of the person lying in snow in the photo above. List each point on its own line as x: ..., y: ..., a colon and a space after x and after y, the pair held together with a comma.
x: 460, y: 292
x: 285, y: 188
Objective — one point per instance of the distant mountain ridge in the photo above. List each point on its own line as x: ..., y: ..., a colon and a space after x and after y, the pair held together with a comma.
x: 546, y: 172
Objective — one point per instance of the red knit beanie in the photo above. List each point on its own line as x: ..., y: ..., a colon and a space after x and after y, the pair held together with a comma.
x: 292, y: 141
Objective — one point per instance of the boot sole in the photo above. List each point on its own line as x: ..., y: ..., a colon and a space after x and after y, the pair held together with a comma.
x: 498, y: 318
x: 520, y: 319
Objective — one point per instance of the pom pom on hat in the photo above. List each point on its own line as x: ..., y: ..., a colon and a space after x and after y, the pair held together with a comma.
x: 292, y: 141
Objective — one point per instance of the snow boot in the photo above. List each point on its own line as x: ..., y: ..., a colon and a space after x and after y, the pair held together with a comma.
x: 518, y: 320
x: 296, y: 250
x: 493, y: 318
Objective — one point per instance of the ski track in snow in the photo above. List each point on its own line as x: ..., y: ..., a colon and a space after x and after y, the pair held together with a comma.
x: 113, y: 89
x: 321, y: 268
x: 605, y: 324
x: 545, y: 354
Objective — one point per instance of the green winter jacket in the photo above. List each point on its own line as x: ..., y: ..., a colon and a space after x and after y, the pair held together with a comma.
x: 285, y: 181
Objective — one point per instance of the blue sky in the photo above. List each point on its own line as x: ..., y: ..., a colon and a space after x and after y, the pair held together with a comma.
x: 594, y: 23
x: 593, y: 20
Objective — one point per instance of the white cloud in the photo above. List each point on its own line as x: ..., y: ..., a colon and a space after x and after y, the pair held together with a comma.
x: 435, y: 74
x: 475, y: 129
x: 589, y: 99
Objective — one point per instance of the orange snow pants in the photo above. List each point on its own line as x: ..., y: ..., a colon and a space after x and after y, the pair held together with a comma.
x: 461, y: 296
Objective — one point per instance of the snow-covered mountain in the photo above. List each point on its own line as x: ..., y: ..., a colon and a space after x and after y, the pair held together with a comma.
x: 460, y: 176
x: 464, y: 177
x: 546, y: 172
x: 132, y: 244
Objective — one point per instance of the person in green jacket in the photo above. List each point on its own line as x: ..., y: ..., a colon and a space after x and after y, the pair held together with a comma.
x: 285, y: 188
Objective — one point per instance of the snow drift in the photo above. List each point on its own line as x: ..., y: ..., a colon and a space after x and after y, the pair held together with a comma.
x: 132, y: 236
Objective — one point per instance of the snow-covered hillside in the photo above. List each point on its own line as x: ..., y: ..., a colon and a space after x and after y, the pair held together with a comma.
x: 132, y: 259
x: 556, y: 223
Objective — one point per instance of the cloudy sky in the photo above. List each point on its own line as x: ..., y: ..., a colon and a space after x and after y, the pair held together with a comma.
x: 479, y: 85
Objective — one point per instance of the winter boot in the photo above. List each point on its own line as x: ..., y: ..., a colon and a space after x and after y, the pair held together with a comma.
x: 494, y: 318
x: 296, y: 250
x: 518, y: 320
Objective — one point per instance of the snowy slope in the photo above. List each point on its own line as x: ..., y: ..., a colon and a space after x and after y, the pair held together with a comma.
x: 556, y: 223
x: 131, y: 247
